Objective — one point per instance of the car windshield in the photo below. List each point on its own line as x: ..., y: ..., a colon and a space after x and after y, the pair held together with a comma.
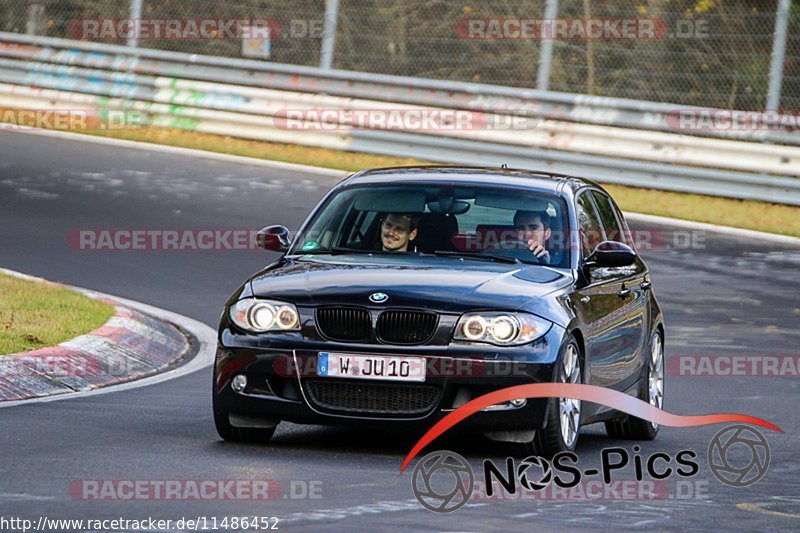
x: 478, y: 223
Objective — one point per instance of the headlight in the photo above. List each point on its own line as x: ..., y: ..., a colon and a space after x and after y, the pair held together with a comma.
x: 287, y: 318
x: 474, y: 328
x: 259, y: 316
x: 504, y: 329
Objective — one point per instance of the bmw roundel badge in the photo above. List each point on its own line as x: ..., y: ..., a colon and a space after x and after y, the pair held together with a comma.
x: 378, y: 297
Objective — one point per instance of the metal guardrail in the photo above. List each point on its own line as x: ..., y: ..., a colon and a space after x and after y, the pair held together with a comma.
x: 241, y: 98
x: 530, y: 132
x: 584, y: 109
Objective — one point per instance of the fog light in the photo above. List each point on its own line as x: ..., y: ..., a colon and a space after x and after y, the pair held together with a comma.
x: 239, y: 382
x: 518, y: 402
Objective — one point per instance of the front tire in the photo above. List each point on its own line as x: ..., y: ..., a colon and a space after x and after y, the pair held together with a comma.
x: 563, y: 422
x: 236, y: 434
x: 233, y: 433
x: 651, y: 390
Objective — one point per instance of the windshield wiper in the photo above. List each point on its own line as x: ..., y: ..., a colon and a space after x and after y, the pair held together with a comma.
x: 477, y: 255
x: 339, y: 250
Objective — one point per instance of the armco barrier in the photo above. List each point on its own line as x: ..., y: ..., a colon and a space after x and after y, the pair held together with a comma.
x: 242, y: 98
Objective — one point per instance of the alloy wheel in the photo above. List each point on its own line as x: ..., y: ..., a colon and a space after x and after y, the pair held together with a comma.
x: 656, y: 374
x: 570, y: 409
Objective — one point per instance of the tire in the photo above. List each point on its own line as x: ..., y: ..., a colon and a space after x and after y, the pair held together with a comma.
x: 232, y: 433
x: 236, y: 434
x: 651, y: 390
x: 560, y: 433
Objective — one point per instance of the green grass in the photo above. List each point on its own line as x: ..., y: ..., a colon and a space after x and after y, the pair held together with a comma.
x: 290, y: 153
x: 35, y: 315
x: 748, y: 214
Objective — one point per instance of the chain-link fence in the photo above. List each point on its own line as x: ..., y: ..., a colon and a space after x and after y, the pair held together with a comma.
x: 713, y: 53
x: 790, y: 95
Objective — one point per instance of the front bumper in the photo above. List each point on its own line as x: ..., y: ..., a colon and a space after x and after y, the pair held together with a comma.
x: 283, y: 385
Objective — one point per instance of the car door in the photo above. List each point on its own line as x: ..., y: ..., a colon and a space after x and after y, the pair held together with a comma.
x: 602, y: 303
x: 623, y: 333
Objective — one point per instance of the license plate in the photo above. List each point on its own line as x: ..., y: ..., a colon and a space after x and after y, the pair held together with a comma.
x: 386, y: 367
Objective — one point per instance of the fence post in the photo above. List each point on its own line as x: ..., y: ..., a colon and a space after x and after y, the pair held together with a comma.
x: 36, y: 24
x: 135, y: 14
x: 329, y: 34
x: 778, y: 56
x: 546, y: 50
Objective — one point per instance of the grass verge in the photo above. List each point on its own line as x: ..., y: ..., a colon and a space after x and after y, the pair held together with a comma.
x: 748, y: 214
x: 35, y: 315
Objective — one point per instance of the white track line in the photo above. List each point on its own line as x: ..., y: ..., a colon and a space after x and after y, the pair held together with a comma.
x: 784, y: 239
x: 189, y: 152
x: 206, y: 336
x: 737, y: 232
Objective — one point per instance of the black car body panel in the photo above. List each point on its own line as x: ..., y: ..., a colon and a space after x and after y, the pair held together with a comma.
x: 448, y: 287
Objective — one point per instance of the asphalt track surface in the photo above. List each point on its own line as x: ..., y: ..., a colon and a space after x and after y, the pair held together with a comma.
x: 732, y: 296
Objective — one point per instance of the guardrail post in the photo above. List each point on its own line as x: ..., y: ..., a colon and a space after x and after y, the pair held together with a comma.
x: 778, y: 56
x: 329, y: 34
x: 135, y: 14
x: 36, y: 22
x: 546, y: 50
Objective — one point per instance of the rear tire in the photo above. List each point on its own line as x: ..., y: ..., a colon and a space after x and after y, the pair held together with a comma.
x: 651, y: 390
x: 560, y: 433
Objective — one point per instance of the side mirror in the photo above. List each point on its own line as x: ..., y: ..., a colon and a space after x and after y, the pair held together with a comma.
x: 611, y: 254
x: 273, y: 238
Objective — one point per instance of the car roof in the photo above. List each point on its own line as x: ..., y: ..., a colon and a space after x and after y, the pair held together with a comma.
x: 533, y: 179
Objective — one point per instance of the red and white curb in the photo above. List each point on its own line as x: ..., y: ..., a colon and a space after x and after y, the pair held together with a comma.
x: 137, y: 342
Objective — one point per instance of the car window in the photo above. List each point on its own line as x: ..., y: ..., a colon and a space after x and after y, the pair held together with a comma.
x: 590, y: 231
x: 361, y: 230
x: 608, y: 218
x: 479, y: 215
x: 486, y: 220
x: 627, y: 237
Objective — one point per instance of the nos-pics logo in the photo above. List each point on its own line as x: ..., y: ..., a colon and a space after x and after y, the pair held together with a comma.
x: 443, y: 481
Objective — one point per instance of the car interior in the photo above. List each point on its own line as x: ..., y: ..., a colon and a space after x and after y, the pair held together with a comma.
x: 449, y: 219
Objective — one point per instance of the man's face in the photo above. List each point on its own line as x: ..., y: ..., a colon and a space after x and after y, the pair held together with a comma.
x: 396, y: 233
x: 531, y: 227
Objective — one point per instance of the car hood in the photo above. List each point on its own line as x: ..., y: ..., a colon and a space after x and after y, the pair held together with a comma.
x: 434, y: 283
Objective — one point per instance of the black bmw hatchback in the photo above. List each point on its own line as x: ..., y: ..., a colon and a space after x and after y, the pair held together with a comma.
x: 410, y: 291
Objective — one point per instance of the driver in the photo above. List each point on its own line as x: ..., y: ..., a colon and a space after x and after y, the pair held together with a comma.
x: 397, y: 231
x: 533, y: 228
